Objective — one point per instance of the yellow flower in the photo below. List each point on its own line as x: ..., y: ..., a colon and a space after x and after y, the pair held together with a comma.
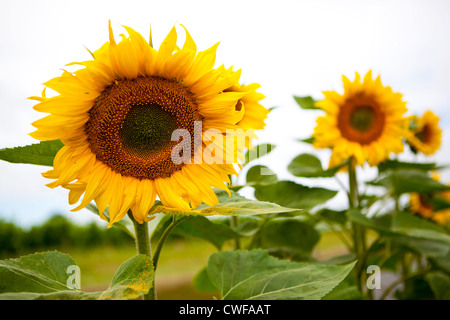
x: 421, y: 204
x: 117, y: 114
x: 425, y: 137
x: 366, y: 122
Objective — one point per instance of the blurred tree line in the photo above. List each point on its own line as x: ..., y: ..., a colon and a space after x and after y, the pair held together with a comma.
x: 57, y: 233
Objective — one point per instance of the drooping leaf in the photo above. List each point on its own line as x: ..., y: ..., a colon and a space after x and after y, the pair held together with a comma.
x: 399, y: 165
x: 293, y: 195
x: 41, y: 153
x: 402, y: 224
x: 413, y: 226
x: 254, y: 275
x: 307, y: 102
x: 309, y: 166
x: 133, y: 279
x: 403, y: 181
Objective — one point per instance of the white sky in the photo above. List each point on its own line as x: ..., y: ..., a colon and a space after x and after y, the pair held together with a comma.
x: 289, y: 47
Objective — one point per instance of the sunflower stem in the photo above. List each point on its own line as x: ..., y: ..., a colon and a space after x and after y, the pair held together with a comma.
x: 234, y: 223
x: 358, y: 231
x: 164, y: 236
x: 143, y: 247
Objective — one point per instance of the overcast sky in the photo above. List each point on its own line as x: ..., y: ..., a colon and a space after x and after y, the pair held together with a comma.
x: 289, y: 47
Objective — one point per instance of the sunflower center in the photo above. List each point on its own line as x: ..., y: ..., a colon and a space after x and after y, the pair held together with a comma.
x: 131, y: 123
x: 147, y: 128
x: 361, y: 120
x: 424, y: 135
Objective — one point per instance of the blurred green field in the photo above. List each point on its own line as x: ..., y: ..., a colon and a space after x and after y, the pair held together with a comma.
x: 99, y: 252
x: 179, y: 262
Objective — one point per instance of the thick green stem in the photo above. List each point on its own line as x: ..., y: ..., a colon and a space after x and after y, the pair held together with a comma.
x: 359, y: 242
x: 234, y: 223
x: 143, y: 247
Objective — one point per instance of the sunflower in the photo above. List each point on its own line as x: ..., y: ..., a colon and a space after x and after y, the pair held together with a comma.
x: 366, y: 122
x: 116, y: 116
x: 425, y: 135
x: 422, y: 205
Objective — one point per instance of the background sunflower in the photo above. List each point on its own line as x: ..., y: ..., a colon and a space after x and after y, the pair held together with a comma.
x: 426, y: 135
x: 365, y: 122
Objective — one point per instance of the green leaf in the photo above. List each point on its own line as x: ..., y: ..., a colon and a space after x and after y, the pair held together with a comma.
x: 133, y: 279
x: 203, y: 228
x: 36, y: 273
x: 289, y: 233
x: 59, y: 295
x: 254, y: 275
x: 359, y: 218
x: 339, y: 217
x: 260, y: 175
x: 309, y: 140
x: 258, y: 151
x: 344, y: 291
x: 309, y: 166
x: 399, y: 165
x: 413, y: 226
x: 293, y: 195
x: 202, y: 283
x: 307, y: 102
x: 402, y: 224
x: 41, y: 153
x: 440, y: 284
x: 403, y: 181
x: 230, y: 205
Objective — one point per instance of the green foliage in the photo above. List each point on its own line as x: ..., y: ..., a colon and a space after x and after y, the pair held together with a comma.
x: 260, y: 175
x: 233, y: 204
x: 293, y: 195
x: 46, y: 276
x: 309, y: 166
x: 41, y: 153
x: 401, y: 181
x: 254, y: 275
x: 133, y: 279
x: 290, y: 233
x: 307, y: 103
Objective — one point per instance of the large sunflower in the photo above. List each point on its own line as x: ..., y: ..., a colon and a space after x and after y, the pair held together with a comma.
x: 116, y: 116
x: 366, y: 122
x: 425, y: 135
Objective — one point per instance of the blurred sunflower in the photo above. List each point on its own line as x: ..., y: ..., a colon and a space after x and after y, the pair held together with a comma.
x: 422, y: 204
x: 366, y: 122
x: 116, y: 116
x: 425, y: 135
